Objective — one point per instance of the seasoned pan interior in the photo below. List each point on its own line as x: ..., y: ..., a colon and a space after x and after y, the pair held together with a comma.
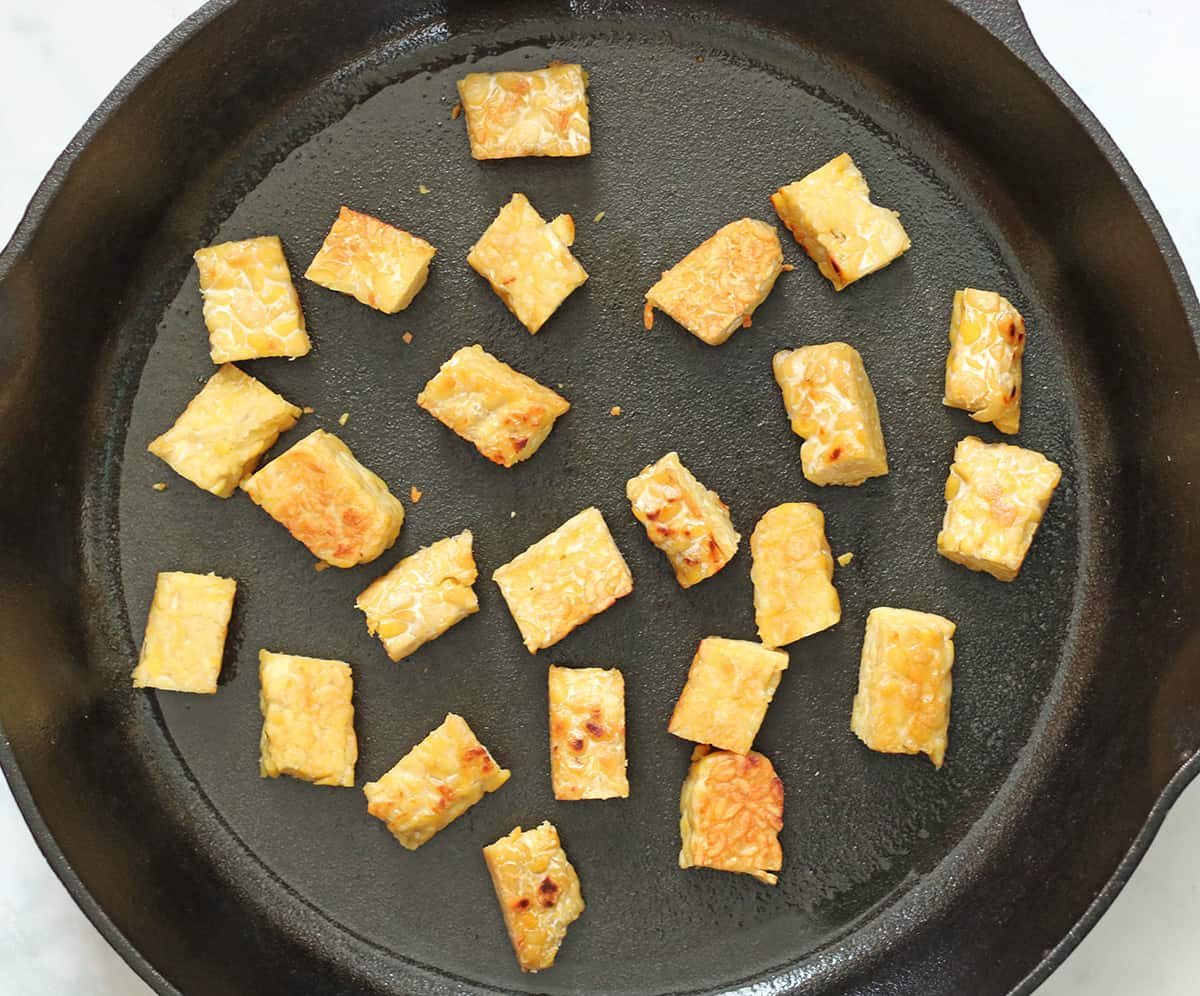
x: 695, y: 122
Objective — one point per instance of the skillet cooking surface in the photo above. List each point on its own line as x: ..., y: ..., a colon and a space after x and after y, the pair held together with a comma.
x: 695, y: 121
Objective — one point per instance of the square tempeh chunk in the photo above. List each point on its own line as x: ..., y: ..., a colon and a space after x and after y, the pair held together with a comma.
x: 434, y: 783
x: 903, y: 700
x: 538, y: 892
x: 538, y: 113
x: 506, y: 414
x: 831, y: 215
x: 794, y: 595
x: 422, y: 596
x: 729, y: 686
x: 328, y: 501
x: 250, y: 306
x: 185, y: 633
x: 983, y: 368
x: 308, y: 719
x: 996, y: 495
x: 730, y: 814
x: 831, y: 405
x: 224, y: 431
x: 528, y: 261
x: 714, y: 289
x: 378, y: 264
x: 587, y: 733
x: 689, y: 523
x: 564, y: 579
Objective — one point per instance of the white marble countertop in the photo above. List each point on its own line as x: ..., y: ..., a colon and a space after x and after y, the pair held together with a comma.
x: 1129, y: 60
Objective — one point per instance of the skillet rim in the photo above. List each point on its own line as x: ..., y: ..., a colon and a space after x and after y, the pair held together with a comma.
x: 1005, y: 21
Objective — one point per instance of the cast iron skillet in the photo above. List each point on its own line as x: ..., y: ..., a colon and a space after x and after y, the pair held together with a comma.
x: 1075, y: 716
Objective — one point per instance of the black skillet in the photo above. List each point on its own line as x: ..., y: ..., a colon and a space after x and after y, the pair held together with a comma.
x: 1075, y: 719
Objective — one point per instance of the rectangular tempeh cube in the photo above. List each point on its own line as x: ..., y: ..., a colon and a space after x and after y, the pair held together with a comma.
x: 714, y: 289
x: 422, y: 596
x: 538, y: 113
x: 224, y: 431
x: 689, y: 523
x: 728, y: 688
x: 538, y: 892
x: 250, y: 306
x: 378, y: 264
x: 185, y: 633
x: 434, y: 783
x: 328, y: 501
x: 506, y: 414
x: 903, y: 700
x: 564, y: 579
x: 983, y: 367
x: 730, y: 814
x: 528, y: 261
x: 996, y: 495
x: 794, y: 595
x: 831, y: 215
x: 308, y: 719
x: 831, y: 405
x: 587, y: 733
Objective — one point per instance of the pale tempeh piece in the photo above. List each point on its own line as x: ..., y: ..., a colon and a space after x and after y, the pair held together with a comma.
x: 250, y: 306
x: 422, y: 596
x: 996, y: 495
x: 714, y: 289
x: 376, y: 263
x: 185, y: 633
x: 903, y: 700
x: 728, y: 688
x: 434, y: 783
x: 308, y: 719
x: 689, y: 523
x: 983, y: 367
x: 831, y: 215
x: 564, y: 579
x: 832, y: 407
x: 538, y: 892
x: 224, y: 431
x: 506, y: 414
x: 528, y: 261
x: 538, y: 113
x: 792, y: 574
x: 587, y: 733
x: 329, y: 501
x: 730, y: 814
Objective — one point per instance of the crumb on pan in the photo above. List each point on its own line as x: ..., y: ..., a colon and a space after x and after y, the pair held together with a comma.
x: 456, y: 110
x: 614, y: 411
x: 845, y: 558
x: 343, y: 418
x: 512, y: 515
x: 408, y: 338
x: 160, y: 486
x: 415, y: 494
x: 308, y: 409
x: 599, y: 216
x: 422, y: 189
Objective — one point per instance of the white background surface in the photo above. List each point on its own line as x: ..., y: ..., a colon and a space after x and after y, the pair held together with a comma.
x: 1134, y: 64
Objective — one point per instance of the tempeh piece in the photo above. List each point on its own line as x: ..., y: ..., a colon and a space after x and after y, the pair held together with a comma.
x: 506, y: 414
x: 538, y: 113
x: 730, y: 814
x: 903, y: 700
x: 794, y: 595
x: 308, y: 719
x: 714, y: 289
x: 996, y: 495
x: 329, y: 501
x: 538, y: 892
x: 689, y: 523
x: 587, y: 733
x: 728, y: 688
x: 831, y: 215
x: 832, y: 406
x: 185, y: 633
x: 983, y: 367
x: 434, y: 783
x: 564, y: 579
x: 422, y: 596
